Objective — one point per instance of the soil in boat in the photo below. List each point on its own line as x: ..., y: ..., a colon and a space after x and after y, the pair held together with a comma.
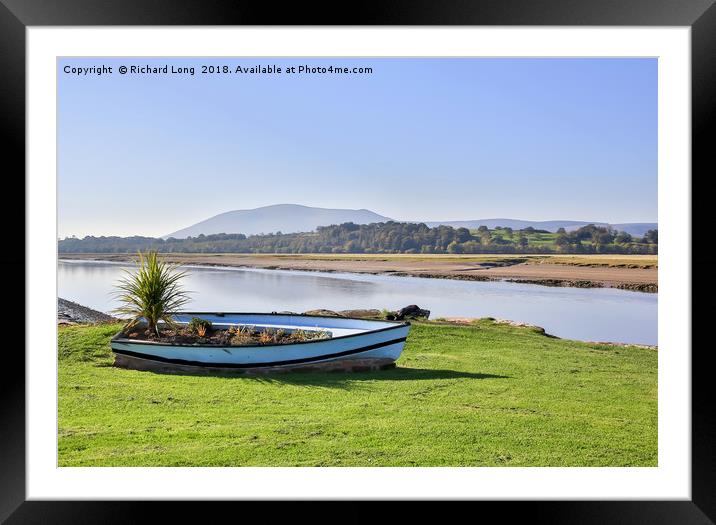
x: 234, y: 336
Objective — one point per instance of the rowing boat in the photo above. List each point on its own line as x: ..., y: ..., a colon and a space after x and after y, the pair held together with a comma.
x: 347, y: 344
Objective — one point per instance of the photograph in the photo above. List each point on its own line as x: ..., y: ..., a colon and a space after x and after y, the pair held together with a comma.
x: 405, y: 252
x: 357, y: 261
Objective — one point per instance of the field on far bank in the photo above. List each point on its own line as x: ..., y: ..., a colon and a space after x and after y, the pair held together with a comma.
x: 481, y: 394
x: 646, y: 261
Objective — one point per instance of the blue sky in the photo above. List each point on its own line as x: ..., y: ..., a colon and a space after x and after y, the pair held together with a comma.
x: 418, y: 139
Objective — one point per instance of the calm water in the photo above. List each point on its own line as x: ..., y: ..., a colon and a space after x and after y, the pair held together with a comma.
x: 592, y: 314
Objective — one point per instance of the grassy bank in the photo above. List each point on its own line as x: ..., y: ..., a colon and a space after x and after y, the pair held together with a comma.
x: 477, y: 395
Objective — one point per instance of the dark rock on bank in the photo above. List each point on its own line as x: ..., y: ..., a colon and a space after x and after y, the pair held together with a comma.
x: 412, y: 311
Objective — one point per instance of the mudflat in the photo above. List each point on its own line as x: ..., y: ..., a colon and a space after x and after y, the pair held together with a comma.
x: 609, y: 275
x: 636, y: 272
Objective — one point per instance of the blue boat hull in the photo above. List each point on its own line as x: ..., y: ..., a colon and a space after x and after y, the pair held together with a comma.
x: 355, y: 344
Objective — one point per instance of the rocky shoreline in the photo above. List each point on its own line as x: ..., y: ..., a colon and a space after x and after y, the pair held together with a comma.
x: 69, y: 313
x: 634, y: 287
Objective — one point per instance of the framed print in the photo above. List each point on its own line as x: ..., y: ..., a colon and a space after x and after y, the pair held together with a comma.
x: 413, y: 255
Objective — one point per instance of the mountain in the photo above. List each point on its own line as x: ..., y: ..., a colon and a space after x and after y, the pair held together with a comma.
x: 632, y: 228
x: 292, y: 218
x: 286, y: 218
x: 636, y: 228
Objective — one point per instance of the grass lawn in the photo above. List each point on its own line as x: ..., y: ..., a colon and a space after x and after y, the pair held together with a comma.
x: 480, y: 395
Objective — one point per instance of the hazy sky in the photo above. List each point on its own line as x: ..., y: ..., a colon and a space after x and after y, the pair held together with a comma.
x: 418, y: 139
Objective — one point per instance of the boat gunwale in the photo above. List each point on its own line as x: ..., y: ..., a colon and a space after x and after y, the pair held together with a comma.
x: 397, y: 324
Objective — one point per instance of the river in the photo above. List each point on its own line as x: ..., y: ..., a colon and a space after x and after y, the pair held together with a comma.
x: 590, y: 314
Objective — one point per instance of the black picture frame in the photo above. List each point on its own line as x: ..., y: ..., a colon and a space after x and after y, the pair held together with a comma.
x: 17, y: 15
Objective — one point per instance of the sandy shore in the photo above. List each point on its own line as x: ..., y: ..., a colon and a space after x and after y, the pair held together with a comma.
x: 639, y: 273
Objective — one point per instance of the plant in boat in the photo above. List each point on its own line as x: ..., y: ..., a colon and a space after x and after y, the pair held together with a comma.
x: 241, y: 335
x: 309, y: 335
x: 199, y: 326
x: 266, y: 337
x: 151, y: 293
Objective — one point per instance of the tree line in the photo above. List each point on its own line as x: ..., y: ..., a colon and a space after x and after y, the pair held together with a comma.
x: 384, y: 237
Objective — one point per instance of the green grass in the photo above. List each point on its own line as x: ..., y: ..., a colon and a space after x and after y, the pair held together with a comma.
x: 478, y: 395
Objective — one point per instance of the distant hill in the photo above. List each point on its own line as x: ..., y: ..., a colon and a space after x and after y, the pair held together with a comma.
x: 294, y: 218
x: 636, y: 228
x: 632, y: 228
x: 286, y: 218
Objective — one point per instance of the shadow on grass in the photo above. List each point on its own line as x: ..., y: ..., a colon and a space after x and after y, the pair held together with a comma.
x: 335, y: 378
x: 338, y: 379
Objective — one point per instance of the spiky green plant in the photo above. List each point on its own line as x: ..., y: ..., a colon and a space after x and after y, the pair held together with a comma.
x: 152, y: 292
